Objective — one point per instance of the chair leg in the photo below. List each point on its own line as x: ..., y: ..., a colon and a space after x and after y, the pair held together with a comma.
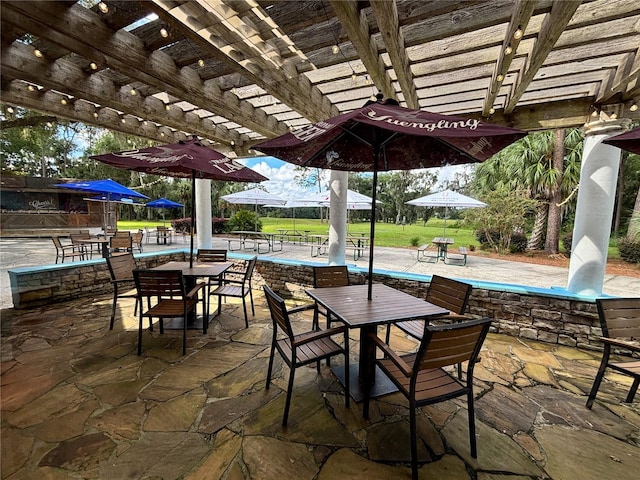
x: 140, y: 334
x: 184, y: 330
x: 472, y: 424
x: 599, y: 376
x: 292, y: 372
x: 113, y: 307
x: 253, y: 310
x: 388, y: 335
x: 414, y: 442
x: 269, y: 370
x: 244, y: 308
x: 347, y: 392
x: 634, y: 389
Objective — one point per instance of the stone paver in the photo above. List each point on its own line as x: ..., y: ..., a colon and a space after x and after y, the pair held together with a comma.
x: 78, y: 402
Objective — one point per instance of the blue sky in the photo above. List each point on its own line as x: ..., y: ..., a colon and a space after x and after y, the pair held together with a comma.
x: 280, y: 175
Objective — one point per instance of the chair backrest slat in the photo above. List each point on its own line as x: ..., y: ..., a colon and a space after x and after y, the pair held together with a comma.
x: 279, y: 315
x: 330, y: 276
x: 159, y: 283
x: 619, y: 317
x: 121, y: 267
x: 248, y: 274
x: 450, y: 294
x: 452, y: 344
x: 121, y: 242
x: 211, y: 255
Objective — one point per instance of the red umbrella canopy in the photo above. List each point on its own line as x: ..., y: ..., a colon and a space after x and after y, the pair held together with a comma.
x: 186, y: 158
x: 405, y: 139
x: 629, y: 141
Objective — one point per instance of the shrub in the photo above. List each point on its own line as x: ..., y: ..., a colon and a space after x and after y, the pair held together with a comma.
x: 629, y: 250
x: 567, y: 240
x: 518, y: 243
x: 217, y: 225
x: 181, y: 225
x: 244, y: 220
x: 415, y: 241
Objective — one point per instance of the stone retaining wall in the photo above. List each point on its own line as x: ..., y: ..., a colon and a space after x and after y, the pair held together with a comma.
x: 549, y: 315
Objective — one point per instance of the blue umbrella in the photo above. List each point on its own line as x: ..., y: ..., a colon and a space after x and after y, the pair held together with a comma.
x: 110, y: 189
x: 163, y: 203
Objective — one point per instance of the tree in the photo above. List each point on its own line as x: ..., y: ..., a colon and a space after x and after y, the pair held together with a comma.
x: 504, y: 214
x: 528, y: 164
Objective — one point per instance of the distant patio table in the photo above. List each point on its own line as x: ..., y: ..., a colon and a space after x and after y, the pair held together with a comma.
x: 258, y: 238
x: 349, y: 305
x: 191, y: 274
x: 442, y: 243
x: 103, y: 242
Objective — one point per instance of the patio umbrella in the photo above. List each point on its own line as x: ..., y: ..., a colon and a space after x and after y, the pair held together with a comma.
x: 447, y: 199
x: 629, y: 141
x: 163, y: 203
x: 185, y: 159
x: 254, y: 196
x: 355, y: 200
x: 108, y: 190
x: 382, y: 136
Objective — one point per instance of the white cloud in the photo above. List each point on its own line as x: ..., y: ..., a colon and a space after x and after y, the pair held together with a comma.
x: 280, y: 180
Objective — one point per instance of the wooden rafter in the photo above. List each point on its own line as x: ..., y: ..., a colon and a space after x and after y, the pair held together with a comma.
x: 386, y: 15
x: 355, y: 24
x: 552, y: 27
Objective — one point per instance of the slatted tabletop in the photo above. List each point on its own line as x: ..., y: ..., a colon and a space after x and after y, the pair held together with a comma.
x: 350, y: 304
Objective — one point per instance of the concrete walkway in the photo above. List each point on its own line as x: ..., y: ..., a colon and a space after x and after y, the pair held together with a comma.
x: 22, y: 252
x: 77, y: 402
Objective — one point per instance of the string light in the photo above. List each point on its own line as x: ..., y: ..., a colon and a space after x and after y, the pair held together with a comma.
x: 500, y: 77
x: 233, y: 143
x: 492, y: 111
x: 93, y: 66
x: 10, y: 110
x: 335, y: 49
x: 201, y: 62
x: 123, y: 120
x: 63, y: 101
x: 133, y: 92
x: 354, y: 77
x: 508, y: 50
x: 633, y: 107
x: 95, y: 114
x: 518, y: 33
x: 167, y: 107
x: 164, y: 33
x: 31, y: 88
x: 37, y: 53
x: 103, y: 7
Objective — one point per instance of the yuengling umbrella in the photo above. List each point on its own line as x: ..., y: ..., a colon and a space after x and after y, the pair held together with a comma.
x: 163, y: 203
x: 254, y: 196
x: 185, y: 159
x: 447, y: 199
x: 382, y: 136
x: 629, y: 141
x: 108, y: 191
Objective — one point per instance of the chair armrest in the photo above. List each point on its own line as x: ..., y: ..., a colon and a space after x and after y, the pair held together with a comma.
x: 301, y: 308
x: 393, y: 356
x: 621, y: 343
x: 315, y: 335
x: 232, y: 280
x: 122, y: 280
x: 194, y: 291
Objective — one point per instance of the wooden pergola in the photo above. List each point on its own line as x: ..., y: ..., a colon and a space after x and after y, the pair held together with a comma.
x: 238, y: 71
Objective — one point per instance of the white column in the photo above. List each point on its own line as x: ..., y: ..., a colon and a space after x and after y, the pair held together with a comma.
x: 594, y: 210
x: 203, y: 213
x: 338, y: 184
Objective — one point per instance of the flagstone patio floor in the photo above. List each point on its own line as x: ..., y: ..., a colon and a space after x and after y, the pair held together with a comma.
x: 77, y: 402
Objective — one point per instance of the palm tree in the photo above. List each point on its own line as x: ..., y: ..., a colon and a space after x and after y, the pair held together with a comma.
x: 532, y: 165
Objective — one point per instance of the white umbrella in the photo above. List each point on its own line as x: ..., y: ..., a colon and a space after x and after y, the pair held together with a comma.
x: 254, y: 196
x: 355, y: 200
x: 447, y: 199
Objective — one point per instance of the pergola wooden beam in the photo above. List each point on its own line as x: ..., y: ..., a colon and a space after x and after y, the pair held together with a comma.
x: 386, y: 15
x: 552, y: 27
x: 357, y: 28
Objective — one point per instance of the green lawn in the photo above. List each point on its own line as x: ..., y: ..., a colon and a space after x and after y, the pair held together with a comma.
x: 387, y: 234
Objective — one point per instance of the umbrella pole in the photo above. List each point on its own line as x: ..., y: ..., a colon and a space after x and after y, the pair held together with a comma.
x: 372, y: 230
x: 193, y: 215
x: 444, y: 228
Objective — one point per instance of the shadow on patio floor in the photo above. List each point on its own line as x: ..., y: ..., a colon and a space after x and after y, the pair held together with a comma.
x: 77, y: 402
